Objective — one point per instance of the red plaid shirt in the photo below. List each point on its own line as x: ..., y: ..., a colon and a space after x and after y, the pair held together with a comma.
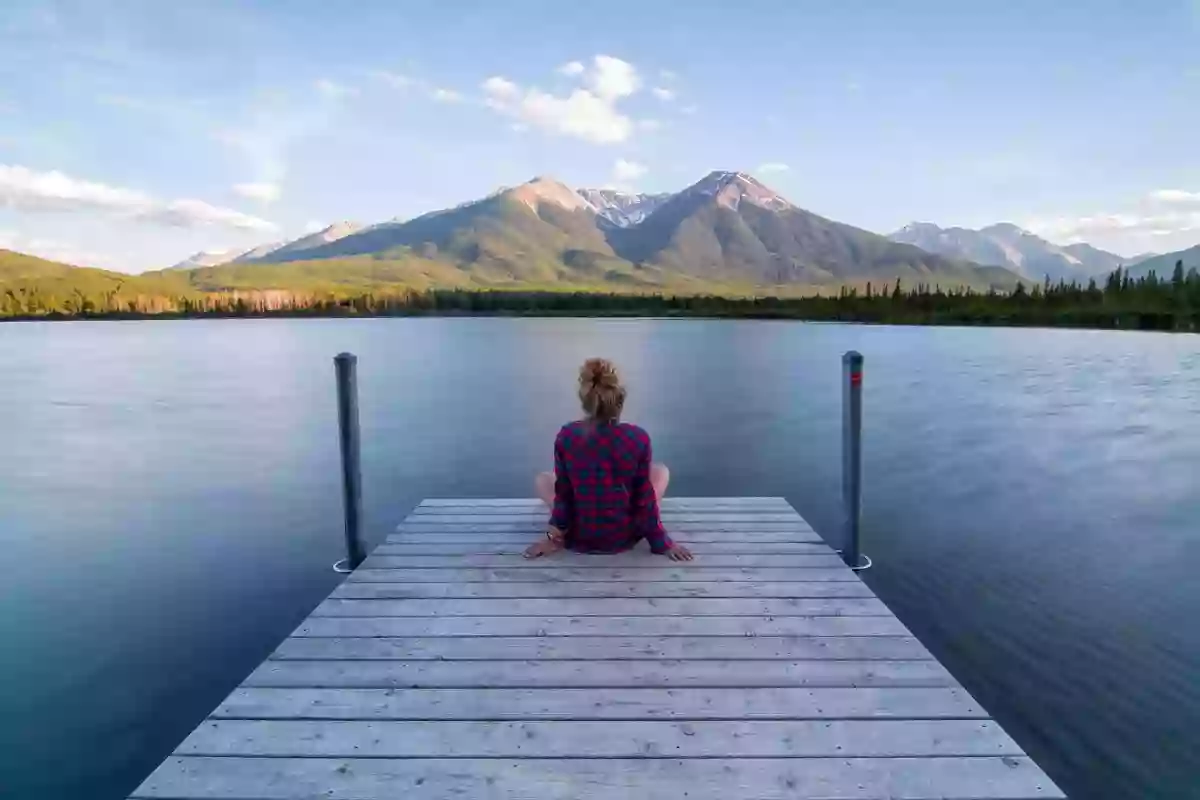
x: 603, y: 498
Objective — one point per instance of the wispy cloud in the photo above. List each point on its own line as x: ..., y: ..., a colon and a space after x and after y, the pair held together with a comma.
x: 446, y: 96
x: 333, y: 90
x: 571, y: 69
x: 663, y: 93
x: 1161, y: 213
x: 406, y: 83
x: 772, y: 166
x: 626, y: 171
x: 667, y: 75
x: 262, y: 134
x: 27, y: 190
x: 589, y: 113
x: 1176, y: 197
x: 262, y: 192
x: 394, y: 79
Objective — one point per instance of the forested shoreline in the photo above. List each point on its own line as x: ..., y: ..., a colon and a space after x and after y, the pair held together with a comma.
x: 1123, y: 302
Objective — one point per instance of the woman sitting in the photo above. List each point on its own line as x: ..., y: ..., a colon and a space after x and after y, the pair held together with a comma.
x: 605, y: 490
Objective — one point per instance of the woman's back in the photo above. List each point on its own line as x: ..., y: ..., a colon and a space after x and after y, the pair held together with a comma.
x: 607, y: 502
x: 604, y: 490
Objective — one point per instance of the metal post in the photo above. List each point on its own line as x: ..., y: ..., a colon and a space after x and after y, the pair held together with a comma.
x: 346, y: 368
x: 852, y: 373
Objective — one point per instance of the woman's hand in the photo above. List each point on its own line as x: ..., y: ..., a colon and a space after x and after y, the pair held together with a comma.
x: 552, y: 543
x: 679, y: 553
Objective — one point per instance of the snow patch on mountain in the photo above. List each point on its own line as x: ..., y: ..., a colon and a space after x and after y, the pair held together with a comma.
x: 733, y: 188
x: 622, y: 209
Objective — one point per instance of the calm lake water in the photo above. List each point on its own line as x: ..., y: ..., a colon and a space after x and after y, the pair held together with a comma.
x: 170, y: 506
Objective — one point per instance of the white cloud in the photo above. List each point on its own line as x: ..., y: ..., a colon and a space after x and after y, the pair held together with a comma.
x: 500, y: 88
x: 24, y: 189
x: 667, y: 75
x: 626, y: 171
x: 406, y: 82
x: 446, y: 96
x: 190, y: 213
x: 581, y: 114
x: 1098, y: 225
x: 1175, y: 197
x: 334, y: 90
x: 650, y: 125
x: 393, y: 79
x: 662, y: 93
x: 1164, y: 219
x: 314, y: 225
x: 261, y: 192
x: 772, y: 166
x: 571, y: 69
x: 611, y: 78
x: 590, y: 114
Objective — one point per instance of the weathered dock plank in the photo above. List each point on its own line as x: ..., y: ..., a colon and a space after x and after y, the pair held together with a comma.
x: 449, y: 666
x: 582, y: 704
x: 977, y: 778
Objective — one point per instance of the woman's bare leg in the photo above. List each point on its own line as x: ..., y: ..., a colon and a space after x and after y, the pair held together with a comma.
x: 660, y: 476
x: 543, y: 485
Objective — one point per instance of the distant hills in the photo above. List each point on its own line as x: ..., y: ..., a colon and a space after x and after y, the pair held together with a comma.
x: 273, y: 251
x: 1006, y: 245
x: 1164, y: 265
x: 27, y: 276
x: 728, y: 229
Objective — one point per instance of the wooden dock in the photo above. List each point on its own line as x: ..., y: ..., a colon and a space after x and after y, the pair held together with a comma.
x: 448, y: 666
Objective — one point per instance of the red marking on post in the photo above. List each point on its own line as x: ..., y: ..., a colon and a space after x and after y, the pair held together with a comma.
x: 856, y: 379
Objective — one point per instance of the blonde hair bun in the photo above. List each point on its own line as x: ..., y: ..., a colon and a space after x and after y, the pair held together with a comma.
x: 599, y: 372
x: 600, y: 390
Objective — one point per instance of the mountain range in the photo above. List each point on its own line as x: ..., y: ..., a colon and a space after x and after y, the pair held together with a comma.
x: 1006, y: 245
x: 728, y: 229
x: 728, y: 233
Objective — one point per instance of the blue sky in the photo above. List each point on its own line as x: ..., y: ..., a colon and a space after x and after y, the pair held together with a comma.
x: 135, y: 133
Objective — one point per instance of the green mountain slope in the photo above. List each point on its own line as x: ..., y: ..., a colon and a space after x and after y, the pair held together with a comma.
x: 344, y: 275
x: 538, y: 232
x: 28, y: 283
